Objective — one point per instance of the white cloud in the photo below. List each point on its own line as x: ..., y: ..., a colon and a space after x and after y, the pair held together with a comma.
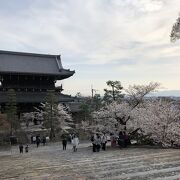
x: 97, y: 32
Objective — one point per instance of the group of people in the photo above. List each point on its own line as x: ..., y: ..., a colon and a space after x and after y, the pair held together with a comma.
x: 98, y: 142
x: 73, y: 139
x: 37, y: 140
x: 21, y: 148
x: 122, y: 139
x: 34, y: 140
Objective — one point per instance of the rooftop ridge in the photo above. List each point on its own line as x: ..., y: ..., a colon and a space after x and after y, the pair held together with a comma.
x: 28, y: 54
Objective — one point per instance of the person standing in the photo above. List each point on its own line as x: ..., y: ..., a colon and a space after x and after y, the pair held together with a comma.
x: 126, y: 139
x: 31, y: 139
x: 70, y: 138
x: 64, y: 142
x: 104, y: 141
x: 75, y: 142
x: 27, y: 148
x: 121, y: 140
x: 98, y: 142
x: 34, y: 139
x: 113, y: 140
x: 93, y: 140
x: 44, y: 140
x: 21, y: 148
x: 38, y: 140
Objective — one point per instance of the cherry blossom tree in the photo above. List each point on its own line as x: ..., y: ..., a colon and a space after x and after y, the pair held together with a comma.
x: 55, y: 118
x: 111, y: 118
x: 136, y: 94
x: 115, y: 115
x: 159, y: 120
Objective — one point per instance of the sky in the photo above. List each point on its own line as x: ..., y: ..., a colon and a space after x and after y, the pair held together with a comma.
x: 124, y: 40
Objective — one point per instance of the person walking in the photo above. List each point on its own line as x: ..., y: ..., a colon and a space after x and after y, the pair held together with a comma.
x: 75, y: 142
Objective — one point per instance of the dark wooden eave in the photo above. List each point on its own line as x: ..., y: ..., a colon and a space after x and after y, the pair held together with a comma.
x: 20, y: 63
x: 34, y: 97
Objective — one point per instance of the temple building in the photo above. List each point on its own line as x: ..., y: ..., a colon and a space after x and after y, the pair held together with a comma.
x: 31, y: 76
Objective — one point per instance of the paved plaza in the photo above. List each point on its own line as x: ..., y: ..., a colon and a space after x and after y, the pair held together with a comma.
x: 52, y: 163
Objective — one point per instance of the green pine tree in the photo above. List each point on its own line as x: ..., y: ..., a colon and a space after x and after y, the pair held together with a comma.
x: 50, y: 109
x: 11, y: 111
x: 115, y: 93
x: 56, y: 117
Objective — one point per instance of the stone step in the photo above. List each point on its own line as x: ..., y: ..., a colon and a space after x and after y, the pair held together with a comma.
x: 51, y: 162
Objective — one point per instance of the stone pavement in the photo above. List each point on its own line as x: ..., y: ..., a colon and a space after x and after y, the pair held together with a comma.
x: 52, y: 163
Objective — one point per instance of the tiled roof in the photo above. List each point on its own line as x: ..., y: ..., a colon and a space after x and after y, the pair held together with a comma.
x: 31, y: 63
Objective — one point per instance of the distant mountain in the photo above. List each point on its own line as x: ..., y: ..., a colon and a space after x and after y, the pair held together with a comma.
x: 171, y: 93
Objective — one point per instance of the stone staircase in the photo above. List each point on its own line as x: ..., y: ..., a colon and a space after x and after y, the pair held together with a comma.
x: 51, y: 162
